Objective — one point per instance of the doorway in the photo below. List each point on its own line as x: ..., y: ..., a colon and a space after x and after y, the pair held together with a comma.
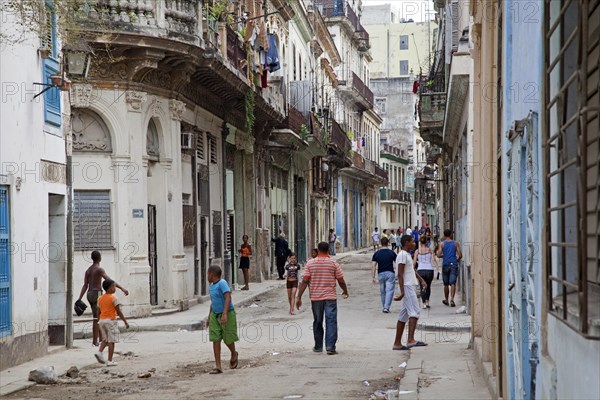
x: 152, y: 254
x: 300, y: 223
x: 57, y: 294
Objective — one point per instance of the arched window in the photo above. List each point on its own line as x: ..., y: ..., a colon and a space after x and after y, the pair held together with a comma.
x: 90, y: 133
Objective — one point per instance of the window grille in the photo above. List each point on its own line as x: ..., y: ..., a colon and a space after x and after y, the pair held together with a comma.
x: 92, y: 219
x: 572, y: 158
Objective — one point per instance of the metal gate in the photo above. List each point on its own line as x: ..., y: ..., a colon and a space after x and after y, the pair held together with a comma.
x: 152, y: 256
x: 522, y: 216
x: 5, y: 307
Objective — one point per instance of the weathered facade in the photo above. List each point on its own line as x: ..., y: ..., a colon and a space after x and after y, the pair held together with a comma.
x: 193, y: 127
x: 531, y: 157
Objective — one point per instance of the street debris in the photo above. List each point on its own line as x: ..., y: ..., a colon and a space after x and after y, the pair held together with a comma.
x: 462, y: 310
x: 366, y: 384
x: 254, y: 305
x: 44, y: 376
x: 144, y: 375
x: 293, y: 396
x: 153, y: 370
x: 274, y: 353
x: 403, y: 365
x: 73, y: 372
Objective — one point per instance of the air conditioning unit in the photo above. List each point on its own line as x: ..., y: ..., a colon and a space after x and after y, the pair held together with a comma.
x: 187, y: 141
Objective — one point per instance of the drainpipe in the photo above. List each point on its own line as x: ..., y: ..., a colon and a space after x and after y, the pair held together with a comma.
x: 69, y: 244
x: 225, y: 216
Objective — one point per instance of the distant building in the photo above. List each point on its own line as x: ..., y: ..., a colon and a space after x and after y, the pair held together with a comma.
x: 399, y: 48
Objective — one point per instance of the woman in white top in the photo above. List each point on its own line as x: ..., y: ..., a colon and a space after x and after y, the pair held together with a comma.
x: 426, y: 266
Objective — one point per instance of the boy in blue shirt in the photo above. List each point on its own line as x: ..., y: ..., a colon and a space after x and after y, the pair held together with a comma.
x: 221, y: 324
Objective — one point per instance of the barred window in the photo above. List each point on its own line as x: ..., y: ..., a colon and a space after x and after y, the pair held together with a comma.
x: 92, y: 220
x: 572, y: 138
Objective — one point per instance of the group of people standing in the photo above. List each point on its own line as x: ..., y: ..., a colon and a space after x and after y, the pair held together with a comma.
x: 415, y: 267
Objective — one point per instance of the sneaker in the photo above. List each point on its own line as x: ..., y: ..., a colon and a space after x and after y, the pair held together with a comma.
x: 317, y: 350
x: 111, y: 363
x: 100, y: 357
x: 386, y: 310
x: 331, y: 352
x: 424, y: 306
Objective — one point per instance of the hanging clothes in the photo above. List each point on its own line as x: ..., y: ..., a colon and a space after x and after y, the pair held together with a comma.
x: 273, y: 54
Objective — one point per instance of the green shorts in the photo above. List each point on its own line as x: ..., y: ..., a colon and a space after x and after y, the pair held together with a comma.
x: 227, y: 332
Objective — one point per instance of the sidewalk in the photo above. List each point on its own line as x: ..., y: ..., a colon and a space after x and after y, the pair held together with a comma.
x: 446, y: 368
x: 15, y: 378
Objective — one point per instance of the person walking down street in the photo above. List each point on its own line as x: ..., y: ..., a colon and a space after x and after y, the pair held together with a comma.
x: 449, y: 250
x: 376, y: 237
x: 292, y: 272
x: 426, y: 262
x: 332, y: 239
x: 383, y: 261
x: 320, y: 276
x: 92, y: 284
x: 415, y: 235
x: 245, y: 253
x: 222, y: 321
x: 398, y: 239
x: 407, y: 281
x: 393, y: 239
x: 428, y: 236
x: 384, y: 234
x: 282, y: 251
x: 109, y: 307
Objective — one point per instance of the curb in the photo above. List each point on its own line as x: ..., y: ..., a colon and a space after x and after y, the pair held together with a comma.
x: 452, y: 327
x: 196, y: 325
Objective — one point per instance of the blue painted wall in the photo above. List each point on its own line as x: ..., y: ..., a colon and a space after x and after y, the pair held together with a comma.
x: 522, y: 78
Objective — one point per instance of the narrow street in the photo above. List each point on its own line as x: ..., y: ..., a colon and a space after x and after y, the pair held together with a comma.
x: 276, y: 360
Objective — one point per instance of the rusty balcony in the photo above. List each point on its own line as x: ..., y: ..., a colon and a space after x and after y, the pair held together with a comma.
x: 356, y: 90
x: 338, y: 11
x: 339, y: 145
x: 236, y: 50
x: 432, y: 108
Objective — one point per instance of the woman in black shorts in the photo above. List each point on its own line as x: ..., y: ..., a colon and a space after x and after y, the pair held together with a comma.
x: 245, y: 253
x: 292, y: 268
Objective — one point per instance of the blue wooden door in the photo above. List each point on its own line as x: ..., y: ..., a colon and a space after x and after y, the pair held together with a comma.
x: 521, y: 263
x: 5, y: 318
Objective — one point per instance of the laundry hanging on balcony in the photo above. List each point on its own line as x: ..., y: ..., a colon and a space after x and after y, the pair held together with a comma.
x: 273, y: 54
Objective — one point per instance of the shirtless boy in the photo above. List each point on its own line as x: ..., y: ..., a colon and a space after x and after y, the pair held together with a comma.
x: 92, y: 283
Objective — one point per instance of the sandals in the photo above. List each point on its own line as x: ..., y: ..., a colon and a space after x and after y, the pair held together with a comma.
x: 452, y: 304
x: 233, y: 364
x: 215, y: 371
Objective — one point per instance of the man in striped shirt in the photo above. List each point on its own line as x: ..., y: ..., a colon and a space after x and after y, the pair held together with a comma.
x: 320, y: 276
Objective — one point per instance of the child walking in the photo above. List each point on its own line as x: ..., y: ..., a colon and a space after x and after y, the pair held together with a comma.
x: 109, y: 327
x: 292, y: 268
x: 221, y: 322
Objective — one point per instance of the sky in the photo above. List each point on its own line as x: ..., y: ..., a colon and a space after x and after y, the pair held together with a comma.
x: 419, y: 10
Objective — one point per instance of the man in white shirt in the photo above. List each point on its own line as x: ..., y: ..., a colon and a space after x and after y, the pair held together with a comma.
x: 375, y: 236
x: 408, y: 279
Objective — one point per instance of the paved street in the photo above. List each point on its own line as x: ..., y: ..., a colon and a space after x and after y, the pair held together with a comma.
x: 275, y: 356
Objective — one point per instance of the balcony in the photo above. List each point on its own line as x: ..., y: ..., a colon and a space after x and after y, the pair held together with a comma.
x: 367, y: 170
x: 172, y: 19
x: 386, y: 194
x: 432, y: 108
x: 355, y: 90
x: 236, y: 51
x: 339, y: 145
x: 338, y: 11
